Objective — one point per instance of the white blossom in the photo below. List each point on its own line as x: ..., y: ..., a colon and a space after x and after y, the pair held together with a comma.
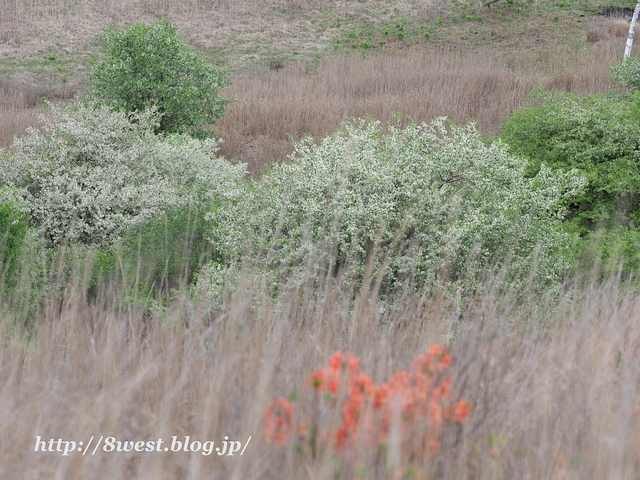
x: 95, y: 173
x: 438, y: 202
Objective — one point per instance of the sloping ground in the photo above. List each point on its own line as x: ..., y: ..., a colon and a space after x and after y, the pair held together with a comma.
x: 329, y: 60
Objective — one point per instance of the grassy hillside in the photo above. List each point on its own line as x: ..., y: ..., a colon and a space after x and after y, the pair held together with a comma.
x: 304, y: 67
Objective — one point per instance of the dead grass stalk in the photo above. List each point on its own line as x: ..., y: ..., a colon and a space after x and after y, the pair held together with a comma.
x: 555, y: 392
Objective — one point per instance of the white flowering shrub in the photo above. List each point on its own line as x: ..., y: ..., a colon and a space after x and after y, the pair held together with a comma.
x: 94, y: 174
x: 433, y: 200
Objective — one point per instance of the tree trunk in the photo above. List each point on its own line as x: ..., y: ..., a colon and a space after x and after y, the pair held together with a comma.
x: 632, y: 29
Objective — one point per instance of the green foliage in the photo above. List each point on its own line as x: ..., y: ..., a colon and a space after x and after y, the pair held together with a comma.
x: 13, y: 236
x: 627, y: 73
x: 110, y: 199
x: 598, y: 135
x: 22, y: 286
x: 434, y: 200
x: 149, y: 67
x: 610, y: 249
x: 160, y: 254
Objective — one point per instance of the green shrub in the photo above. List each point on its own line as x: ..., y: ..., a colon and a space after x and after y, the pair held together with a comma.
x: 13, y: 235
x: 148, y: 67
x: 627, y: 73
x: 441, y: 205
x: 609, y: 250
x: 22, y: 285
x: 598, y: 135
x: 160, y: 254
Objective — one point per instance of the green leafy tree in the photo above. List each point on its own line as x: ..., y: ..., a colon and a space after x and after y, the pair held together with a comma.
x: 148, y: 67
x: 599, y: 135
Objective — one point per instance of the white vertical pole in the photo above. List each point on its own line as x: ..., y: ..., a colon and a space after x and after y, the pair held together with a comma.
x: 632, y: 29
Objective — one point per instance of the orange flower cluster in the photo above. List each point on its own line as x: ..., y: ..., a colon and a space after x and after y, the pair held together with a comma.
x: 279, y: 421
x: 411, y: 409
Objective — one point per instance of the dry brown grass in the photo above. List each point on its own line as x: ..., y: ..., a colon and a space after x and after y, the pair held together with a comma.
x: 15, y: 114
x: 557, y: 392
x: 34, y: 26
x: 302, y: 99
x: 275, y: 107
x: 606, y: 29
x: 19, y: 106
x: 484, y: 84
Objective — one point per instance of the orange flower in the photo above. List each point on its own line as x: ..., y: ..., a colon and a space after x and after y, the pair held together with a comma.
x: 326, y: 381
x: 317, y: 379
x: 436, y: 360
x: 441, y: 355
x: 413, y: 402
x: 279, y: 421
x: 460, y: 412
x: 361, y: 384
x: 338, y: 362
x: 399, y: 381
x: 335, y: 361
x: 381, y: 396
x: 341, y: 437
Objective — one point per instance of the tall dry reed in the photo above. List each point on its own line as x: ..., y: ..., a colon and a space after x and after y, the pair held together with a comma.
x: 555, y: 391
x: 20, y: 107
x: 274, y: 107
